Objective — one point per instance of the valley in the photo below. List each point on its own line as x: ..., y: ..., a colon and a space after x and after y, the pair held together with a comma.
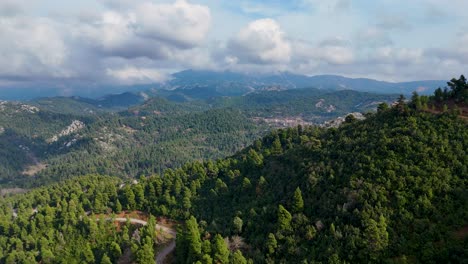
x: 155, y: 134
x: 276, y: 176
x: 233, y: 132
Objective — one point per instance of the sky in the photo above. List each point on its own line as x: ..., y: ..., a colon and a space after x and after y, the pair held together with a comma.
x: 73, y: 44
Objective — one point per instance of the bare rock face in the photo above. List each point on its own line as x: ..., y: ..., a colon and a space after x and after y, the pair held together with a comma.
x: 16, y: 107
x: 340, y: 120
x: 321, y: 105
x: 2, y: 130
x: 75, y: 126
x: 29, y: 108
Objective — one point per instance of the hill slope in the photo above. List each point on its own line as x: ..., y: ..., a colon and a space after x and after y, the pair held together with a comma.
x: 391, y: 188
x: 63, y: 137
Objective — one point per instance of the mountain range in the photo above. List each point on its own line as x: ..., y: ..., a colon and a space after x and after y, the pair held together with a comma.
x: 195, y: 84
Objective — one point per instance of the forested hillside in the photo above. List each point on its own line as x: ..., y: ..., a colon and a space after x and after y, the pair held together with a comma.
x: 130, y: 147
x: 310, y: 104
x: 57, y: 138
x: 389, y: 189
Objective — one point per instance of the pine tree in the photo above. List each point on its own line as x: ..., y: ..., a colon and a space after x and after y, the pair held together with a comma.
x: 298, y: 202
x: 271, y: 244
x: 276, y: 147
x: 238, y: 258
x: 115, y: 250
x: 106, y: 260
x: 254, y: 159
x: 88, y: 254
x: 376, y: 236
x: 284, y: 220
x: 206, y: 259
x: 237, y: 225
x: 47, y: 256
x: 145, y: 253
x: 193, y: 238
x: 118, y: 206
x: 130, y: 202
x: 220, y: 250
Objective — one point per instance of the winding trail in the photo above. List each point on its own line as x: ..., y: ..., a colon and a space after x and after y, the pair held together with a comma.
x: 164, y: 252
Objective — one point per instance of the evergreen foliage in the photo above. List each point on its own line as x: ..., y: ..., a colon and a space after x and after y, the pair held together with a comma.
x: 388, y: 189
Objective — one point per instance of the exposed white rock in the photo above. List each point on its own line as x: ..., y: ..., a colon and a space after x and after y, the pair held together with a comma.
x: 340, y: 120
x: 29, y: 108
x: 2, y: 130
x: 75, y: 126
x: 330, y: 108
x: 319, y: 104
x: 17, y: 107
x: 70, y: 143
x: 145, y: 96
x: 25, y: 148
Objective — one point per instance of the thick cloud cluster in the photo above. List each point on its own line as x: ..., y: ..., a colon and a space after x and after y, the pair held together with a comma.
x: 129, y: 45
x: 141, y: 41
x: 260, y: 42
x: 31, y: 48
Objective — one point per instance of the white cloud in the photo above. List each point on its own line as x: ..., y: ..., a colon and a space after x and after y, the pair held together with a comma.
x: 149, y: 30
x: 394, y: 22
x: 11, y: 7
x: 262, y: 41
x: 125, y: 41
x: 133, y: 75
x: 31, y: 48
x: 372, y: 37
x: 181, y: 24
x: 330, y: 51
x: 457, y: 51
x: 392, y: 55
x: 86, y: 47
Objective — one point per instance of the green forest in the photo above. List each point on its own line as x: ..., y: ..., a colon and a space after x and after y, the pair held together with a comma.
x: 388, y: 189
x: 149, y: 137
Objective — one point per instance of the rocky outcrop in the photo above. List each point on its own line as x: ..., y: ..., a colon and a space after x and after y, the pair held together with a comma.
x: 75, y: 126
x: 328, y: 108
x: 15, y: 107
x: 340, y: 120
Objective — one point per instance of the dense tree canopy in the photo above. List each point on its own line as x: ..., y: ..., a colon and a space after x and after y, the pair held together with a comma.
x: 388, y: 189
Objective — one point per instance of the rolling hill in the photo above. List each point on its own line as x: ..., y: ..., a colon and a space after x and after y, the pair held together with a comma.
x: 391, y: 188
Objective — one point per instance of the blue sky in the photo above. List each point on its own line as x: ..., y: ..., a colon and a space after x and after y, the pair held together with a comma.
x: 100, y: 42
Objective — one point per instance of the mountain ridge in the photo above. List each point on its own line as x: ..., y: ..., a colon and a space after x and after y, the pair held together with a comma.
x: 204, y: 84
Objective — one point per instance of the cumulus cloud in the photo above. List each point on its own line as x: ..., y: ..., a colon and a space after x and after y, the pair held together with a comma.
x: 11, y: 7
x: 372, y: 37
x: 133, y: 75
x: 394, y: 22
x: 330, y: 51
x: 392, y: 55
x: 181, y: 24
x: 457, y: 52
x: 31, y: 48
x: 37, y: 48
x: 151, y: 30
x: 137, y: 41
x: 343, y: 5
x: 260, y: 42
x: 119, y: 4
